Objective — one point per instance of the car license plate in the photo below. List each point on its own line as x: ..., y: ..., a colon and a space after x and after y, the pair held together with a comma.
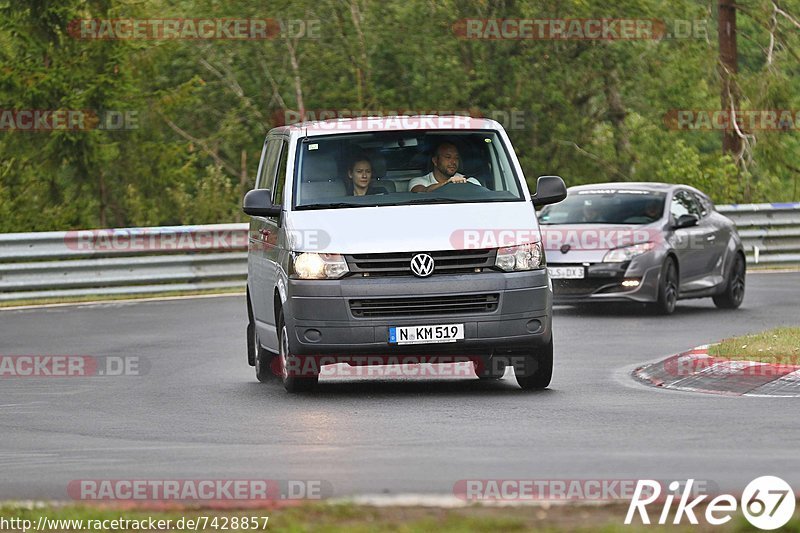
x: 566, y: 272
x: 426, y: 334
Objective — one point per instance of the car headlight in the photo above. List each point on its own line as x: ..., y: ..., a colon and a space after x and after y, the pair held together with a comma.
x: 310, y: 265
x: 619, y: 255
x: 522, y: 257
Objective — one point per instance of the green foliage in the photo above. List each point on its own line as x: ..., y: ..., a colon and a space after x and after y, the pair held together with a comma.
x: 592, y: 111
x: 716, y: 174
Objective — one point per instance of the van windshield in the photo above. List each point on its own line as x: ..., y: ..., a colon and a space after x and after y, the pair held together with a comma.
x: 403, y: 168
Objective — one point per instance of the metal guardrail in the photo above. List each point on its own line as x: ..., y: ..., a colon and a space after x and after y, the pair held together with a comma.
x: 122, y: 261
x: 770, y: 232
x: 181, y: 258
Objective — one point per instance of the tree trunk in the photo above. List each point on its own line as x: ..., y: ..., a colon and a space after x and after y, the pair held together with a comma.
x: 616, y: 115
x: 728, y: 58
x: 103, y: 197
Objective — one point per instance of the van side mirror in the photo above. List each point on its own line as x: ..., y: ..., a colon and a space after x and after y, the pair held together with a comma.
x: 549, y: 190
x: 686, y: 221
x: 258, y: 203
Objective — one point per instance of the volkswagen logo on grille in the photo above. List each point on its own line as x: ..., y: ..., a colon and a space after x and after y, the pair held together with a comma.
x: 422, y: 265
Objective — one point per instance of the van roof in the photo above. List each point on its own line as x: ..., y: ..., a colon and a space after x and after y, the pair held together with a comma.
x: 388, y: 123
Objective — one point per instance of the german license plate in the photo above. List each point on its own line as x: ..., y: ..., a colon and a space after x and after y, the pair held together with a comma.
x: 426, y: 334
x: 566, y: 272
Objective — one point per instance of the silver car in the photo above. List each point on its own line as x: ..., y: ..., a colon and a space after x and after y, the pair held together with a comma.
x: 643, y: 242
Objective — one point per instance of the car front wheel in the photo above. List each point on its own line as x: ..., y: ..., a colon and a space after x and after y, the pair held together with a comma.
x: 733, y: 295
x: 667, y: 288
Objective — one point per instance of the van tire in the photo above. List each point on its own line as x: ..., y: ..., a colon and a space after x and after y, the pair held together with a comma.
x: 535, y: 371
x: 287, y: 359
x: 257, y: 356
x: 262, y: 359
x: 489, y: 369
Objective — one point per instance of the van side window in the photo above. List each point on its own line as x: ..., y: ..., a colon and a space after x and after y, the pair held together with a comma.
x: 266, y: 178
x: 280, y: 182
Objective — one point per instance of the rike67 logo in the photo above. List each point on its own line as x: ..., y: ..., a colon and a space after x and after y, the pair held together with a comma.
x: 767, y: 502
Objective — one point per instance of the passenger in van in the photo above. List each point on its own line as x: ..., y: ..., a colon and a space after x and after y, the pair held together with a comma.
x: 445, y: 170
x: 359, y: 177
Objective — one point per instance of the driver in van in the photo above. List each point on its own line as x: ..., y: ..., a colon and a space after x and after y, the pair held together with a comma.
x: 445, y: 170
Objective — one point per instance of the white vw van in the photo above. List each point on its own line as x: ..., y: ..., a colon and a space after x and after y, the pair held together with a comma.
x: 396, y: 239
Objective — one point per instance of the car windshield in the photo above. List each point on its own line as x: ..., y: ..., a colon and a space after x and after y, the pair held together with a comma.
x: 607, y: 206
x: 403, y: 168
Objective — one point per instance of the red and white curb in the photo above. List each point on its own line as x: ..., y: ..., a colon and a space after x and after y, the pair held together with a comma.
x: 696, y: 371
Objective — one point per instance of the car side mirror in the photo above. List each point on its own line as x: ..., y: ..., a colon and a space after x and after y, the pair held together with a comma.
x: 258, y: 203
x: 686, y: 221
x: 549, y: 190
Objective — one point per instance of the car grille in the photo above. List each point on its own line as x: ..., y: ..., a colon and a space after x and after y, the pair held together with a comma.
x: 580, y: 287
x: 399, y: 264
x: 425, y: 306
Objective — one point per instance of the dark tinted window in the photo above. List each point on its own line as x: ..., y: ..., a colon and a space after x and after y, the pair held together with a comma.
x: 266, y: 180
x: 277, y: 193
x: 612, y: 206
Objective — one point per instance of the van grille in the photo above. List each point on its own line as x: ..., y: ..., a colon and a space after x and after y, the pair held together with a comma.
x: 399, y: 264
x: 425, y: 306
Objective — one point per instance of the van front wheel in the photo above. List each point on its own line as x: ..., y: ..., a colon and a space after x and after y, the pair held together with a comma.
x: 261, y: 358
x: 296, y: 378
x: 535, y: 370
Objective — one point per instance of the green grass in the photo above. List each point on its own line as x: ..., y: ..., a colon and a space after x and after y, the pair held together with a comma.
x: 767, y: 267
x: 779, y: 345
x: 351, y: 518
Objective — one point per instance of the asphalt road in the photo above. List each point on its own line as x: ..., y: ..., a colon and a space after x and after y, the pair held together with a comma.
x: 199, y: 413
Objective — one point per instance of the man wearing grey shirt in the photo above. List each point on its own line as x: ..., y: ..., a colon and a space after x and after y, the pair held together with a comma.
x: 445, y: 165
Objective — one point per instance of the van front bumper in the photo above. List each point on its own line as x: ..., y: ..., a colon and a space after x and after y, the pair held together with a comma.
x: 320, y: 316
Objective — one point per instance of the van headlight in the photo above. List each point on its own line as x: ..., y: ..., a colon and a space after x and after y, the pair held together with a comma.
x: 310, y: 265
x: 522, y: 257
x: 619, y: 255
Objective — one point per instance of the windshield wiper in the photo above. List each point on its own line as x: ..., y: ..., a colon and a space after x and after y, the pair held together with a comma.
x: 334, y: 205
x: 435, y: 200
